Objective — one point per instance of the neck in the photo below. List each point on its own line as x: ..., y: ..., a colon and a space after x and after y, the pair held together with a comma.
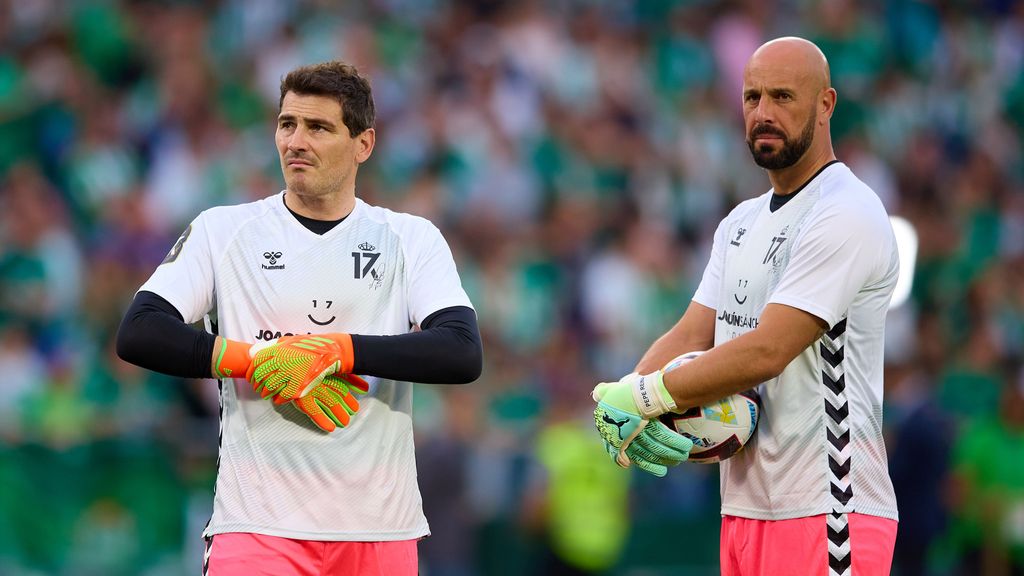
x: 788, y: 180
x: 334, y: 206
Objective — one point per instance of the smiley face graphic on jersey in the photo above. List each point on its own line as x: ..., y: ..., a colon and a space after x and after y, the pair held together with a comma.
x: 327, y: 304
x: 741, y: 288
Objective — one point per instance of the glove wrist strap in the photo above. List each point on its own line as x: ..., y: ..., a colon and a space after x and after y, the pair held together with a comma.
x: 651, y: 396
x: 232, y: 359
x: 348, y: 359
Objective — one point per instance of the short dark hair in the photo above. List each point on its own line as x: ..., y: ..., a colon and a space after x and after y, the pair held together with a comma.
x: 340, y: 81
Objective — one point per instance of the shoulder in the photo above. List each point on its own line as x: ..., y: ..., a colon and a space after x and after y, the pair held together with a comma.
x: 845, y: 196
x: 748, y: 207
x: 743, y: 214
x: 401, y: 223
x: 236, y: 215
x: 845, y: 208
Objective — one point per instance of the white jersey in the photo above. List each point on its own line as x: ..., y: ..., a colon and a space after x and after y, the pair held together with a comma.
x: 256, y: 273
x: 829, y: 251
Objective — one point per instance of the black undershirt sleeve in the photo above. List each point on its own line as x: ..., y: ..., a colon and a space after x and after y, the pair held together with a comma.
x: 153, y: 335
x: 447, y: 350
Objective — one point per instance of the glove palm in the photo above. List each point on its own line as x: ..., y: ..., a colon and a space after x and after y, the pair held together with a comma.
x: 332, y: 402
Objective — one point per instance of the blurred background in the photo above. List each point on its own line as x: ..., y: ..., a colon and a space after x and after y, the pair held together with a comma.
x: 577, y: 155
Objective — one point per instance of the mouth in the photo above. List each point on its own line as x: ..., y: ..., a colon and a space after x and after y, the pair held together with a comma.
x: 296, y: 163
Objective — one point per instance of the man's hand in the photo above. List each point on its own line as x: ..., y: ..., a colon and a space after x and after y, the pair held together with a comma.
x: 292, y: 366
x: 332, y: 403
x: 632, y: 435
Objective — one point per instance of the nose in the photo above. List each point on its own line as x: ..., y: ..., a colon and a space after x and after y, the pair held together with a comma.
x: 297, y: 140
x: 763, y: 112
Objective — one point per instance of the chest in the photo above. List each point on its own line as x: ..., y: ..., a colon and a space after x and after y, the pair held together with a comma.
x: 290, y: 281
x: 758, y: 248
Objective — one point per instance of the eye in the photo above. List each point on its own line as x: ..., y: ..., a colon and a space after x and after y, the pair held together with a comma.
x: 286, y: 124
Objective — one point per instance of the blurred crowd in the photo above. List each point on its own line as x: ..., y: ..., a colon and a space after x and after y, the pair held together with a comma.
x: 577, y: 155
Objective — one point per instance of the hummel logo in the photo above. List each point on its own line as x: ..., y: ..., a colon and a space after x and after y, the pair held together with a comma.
x: 739, y: 234
x: 272, y: 258
x: 367, y: 247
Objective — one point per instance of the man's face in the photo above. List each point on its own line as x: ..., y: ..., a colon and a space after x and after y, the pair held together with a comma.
x: 780, y: 116
x: 773, y: 149
x: 318, y: 155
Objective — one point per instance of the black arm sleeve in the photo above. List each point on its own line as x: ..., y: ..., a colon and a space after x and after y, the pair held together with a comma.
x: 447, y: 350
x: 153, y: 335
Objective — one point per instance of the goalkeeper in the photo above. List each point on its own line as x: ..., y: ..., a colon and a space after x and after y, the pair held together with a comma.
x: 320, y: 311
x: 793, y: 300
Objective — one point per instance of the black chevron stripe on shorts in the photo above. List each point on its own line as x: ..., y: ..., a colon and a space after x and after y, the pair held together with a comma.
x: 207, y: 551
x: 839, y: 557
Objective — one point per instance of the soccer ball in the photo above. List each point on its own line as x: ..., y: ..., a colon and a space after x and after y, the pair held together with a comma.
x: 719, y: 429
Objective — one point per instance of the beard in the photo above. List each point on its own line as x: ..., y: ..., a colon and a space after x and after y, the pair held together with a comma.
x: 789, y: 154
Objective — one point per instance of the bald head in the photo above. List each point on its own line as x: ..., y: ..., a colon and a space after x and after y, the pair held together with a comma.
x: 795, y: 58
x: 788, y: 101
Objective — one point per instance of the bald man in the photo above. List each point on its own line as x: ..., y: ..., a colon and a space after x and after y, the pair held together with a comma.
x: 793, y: 303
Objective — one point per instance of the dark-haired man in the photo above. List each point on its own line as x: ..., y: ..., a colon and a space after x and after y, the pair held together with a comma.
x: 301, y: 291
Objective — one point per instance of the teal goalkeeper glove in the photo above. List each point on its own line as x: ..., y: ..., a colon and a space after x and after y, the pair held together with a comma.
x: 331, y: 403
x: 632, y: 434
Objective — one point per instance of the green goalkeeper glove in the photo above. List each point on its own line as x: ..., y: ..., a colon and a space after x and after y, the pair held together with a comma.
x: 626, y: 417
x: 286, y: 368
x: 332, y: 403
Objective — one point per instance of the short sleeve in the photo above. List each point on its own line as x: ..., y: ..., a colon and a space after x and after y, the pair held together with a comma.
x: 185, y: 278
x: 832, y: 260
x: 710, y: 287
x: 434, y: 282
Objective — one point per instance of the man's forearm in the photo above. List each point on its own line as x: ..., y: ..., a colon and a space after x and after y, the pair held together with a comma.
x: 447, y: 351
x: 732, y: 367
x: 782, y: 334
x: 154, y: 336
x: 694, y: 331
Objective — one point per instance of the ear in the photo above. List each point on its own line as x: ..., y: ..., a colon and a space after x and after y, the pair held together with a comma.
x: 364, y: 144
x: 826, y: 104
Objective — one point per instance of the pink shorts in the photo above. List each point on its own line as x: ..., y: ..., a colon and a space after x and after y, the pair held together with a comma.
x: 825, y: 545
x: 245, y: 554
